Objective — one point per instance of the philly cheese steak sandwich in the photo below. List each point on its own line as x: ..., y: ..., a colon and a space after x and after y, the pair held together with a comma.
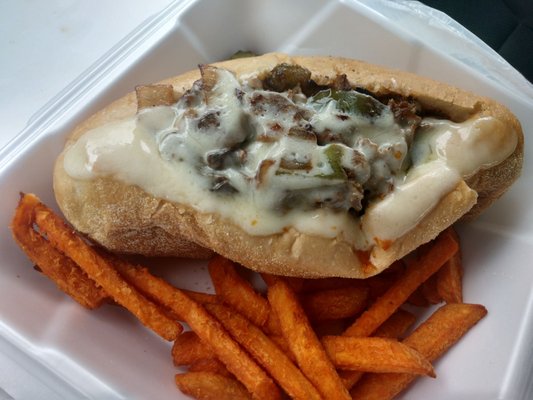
x: 298, y: 166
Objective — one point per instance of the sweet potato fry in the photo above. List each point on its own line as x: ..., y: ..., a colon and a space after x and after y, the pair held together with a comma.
x: 210, y: 365
x: 282, y: 343
x: 350, y: 378
x: 379, y: 284
x: 417, y: 298
x: 373, y: 354
x: 432, y: 338
x: 450, y: 280
x: 211, y: 386
x: 444, y: 328
x: 102, y: 272
x: 188, y: 348
x: 154, y: 95
x: 67, y: 275
x: 202, y: 298
x: 237, y: 292
x: 266, y: 352
x: 332, y: 304
x: 208, y: 329
x: 397, y: 324
x: 313, y: 285
x: 334, y: 327
x: 297, y: 284
x: 310, y: 355
x: 429, y: 288
x: 434, y: 256
x: 272, y: 325
x: 393, y: 328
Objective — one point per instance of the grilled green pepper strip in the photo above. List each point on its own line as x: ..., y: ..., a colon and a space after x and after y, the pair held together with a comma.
x: 334, y: 154
x: 349, y: 102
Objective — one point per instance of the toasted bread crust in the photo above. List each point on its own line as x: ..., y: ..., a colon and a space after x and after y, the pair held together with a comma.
x: 126, y: 219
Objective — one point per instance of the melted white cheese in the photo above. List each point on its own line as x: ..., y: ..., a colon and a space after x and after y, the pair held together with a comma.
x: 410, y: 201
x: 443, y: 153
x: 163, y: 151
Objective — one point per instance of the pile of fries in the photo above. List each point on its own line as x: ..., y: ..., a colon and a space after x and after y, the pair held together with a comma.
x: 306, y: 339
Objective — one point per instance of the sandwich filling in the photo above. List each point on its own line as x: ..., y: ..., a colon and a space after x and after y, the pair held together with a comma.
x: 278, y: 151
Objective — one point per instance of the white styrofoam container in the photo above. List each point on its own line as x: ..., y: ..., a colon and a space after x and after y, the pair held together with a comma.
x: 106, y: 353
